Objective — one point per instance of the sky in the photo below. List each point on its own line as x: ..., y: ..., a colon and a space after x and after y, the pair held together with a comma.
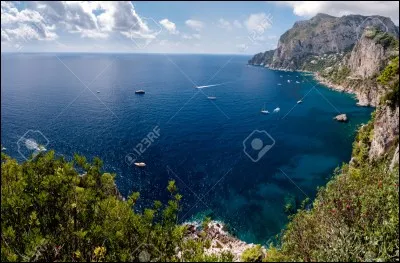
x: 164, y: 27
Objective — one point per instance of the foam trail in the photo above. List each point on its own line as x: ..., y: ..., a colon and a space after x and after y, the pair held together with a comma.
x: 213, y: 85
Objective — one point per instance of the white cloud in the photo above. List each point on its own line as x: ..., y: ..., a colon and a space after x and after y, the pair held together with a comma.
x: 196, y: 36
x: 23, y: 25
x: 222, y: 23
x: 237, y: 24
x: 192, y: 36
x: 258, y: 23
x: 40, y: 20
x: 340, y: 8
x: 170, y: 26
x: 194, y: 24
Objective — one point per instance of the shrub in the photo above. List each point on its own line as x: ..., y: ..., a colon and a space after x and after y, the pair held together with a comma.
x: 253, y: 254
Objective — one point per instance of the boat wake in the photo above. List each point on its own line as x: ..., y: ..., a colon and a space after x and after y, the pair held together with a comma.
x: 213, y: 85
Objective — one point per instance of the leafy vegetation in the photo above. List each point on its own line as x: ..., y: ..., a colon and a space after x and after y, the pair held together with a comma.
x: 383, y: 38
x: 354, y: 218
x: 51, y: 213
x: 390, y: 72
x: 253, y: 254
x: 319, y: 63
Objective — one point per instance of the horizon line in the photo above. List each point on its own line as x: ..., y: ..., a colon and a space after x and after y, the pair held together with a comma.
x: 129, y: 53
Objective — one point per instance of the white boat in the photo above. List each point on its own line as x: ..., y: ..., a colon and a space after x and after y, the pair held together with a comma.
x: 297, y: 81
x: 300, y: 101
x: 98, y: 91
x: 279, y: 84
x: 211, y: 97
x: 277, y: 110
x: 139, y: 91
x: 140, y: 164
x: 264, y: 111
x: 288, y: 80
x: 3, y: 148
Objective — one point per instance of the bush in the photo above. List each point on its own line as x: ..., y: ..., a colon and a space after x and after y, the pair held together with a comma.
x: 253, y: 254
x: 390, y: 72
x: 354, y: 218
x: 51, y: 213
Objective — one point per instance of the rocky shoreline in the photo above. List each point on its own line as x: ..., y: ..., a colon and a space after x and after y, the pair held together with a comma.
x: 221, y: 239
x: 363, y: 99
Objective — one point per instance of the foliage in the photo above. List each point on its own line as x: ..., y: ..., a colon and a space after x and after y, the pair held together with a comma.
x: 362, y: 143
x: 392, y: 97
x: 338, y: 74
x: 290, y: 204
x: 390, y: 72
x: 51, y: 213
x: 205, y: 222
x: 253, y: 254
x: 354, y: 218
x: 383, y: 38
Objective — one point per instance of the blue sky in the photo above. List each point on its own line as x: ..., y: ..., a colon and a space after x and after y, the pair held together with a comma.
x: 163, y: 27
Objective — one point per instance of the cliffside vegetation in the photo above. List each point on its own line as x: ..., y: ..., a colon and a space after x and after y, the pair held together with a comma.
x: 51, y: 213
x: 355, y: 217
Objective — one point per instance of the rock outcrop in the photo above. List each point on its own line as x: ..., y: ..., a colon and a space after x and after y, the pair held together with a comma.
x: 221, y: 240
x: 386, y: 131
x: 367, y: 56
x: 262, y: 59
x: 341, y: 118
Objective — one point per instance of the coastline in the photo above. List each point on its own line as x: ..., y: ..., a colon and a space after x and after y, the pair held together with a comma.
x: 221, y: 239
x: 363, y: 100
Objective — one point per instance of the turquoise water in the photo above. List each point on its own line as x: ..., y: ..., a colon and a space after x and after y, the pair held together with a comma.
x: 86, y: 103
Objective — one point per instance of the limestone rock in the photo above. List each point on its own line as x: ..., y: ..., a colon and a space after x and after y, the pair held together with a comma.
x: 341, y: 118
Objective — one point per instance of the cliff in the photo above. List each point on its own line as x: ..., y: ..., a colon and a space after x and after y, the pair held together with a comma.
x: 356, y: 213
x: 323, y: 34
x: 262, y: 59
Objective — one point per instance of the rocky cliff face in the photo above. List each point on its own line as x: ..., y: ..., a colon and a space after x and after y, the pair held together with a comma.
x: 366, y: 57
x: 262, y: 59
x: 323, y: 34
x: 386, y: 132
x: 357, y: 72
x: 370, y: 54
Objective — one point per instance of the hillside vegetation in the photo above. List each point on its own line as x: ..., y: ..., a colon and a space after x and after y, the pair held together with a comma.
x: 355, y: 217
x: 51, y: 213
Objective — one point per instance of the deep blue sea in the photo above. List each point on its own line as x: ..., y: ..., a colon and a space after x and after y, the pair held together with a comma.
x: 86, y: 104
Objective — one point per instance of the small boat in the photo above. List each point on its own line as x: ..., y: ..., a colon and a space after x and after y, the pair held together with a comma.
x: 288, y: 80
x: 140, y: 164
x: 212, y: 98
x: 281, y: 76
x: 98, y: 91
x: 297, y: 81
x: 264, y: 111
x: 3, y: 148
x: 300, y: 101
x: 139, y: 91
x: 277, y: 110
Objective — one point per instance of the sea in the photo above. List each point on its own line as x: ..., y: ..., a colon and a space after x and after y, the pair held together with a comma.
x: 198, y: 123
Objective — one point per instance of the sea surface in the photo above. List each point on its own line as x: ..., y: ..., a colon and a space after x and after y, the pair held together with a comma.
x: 229, y: 161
